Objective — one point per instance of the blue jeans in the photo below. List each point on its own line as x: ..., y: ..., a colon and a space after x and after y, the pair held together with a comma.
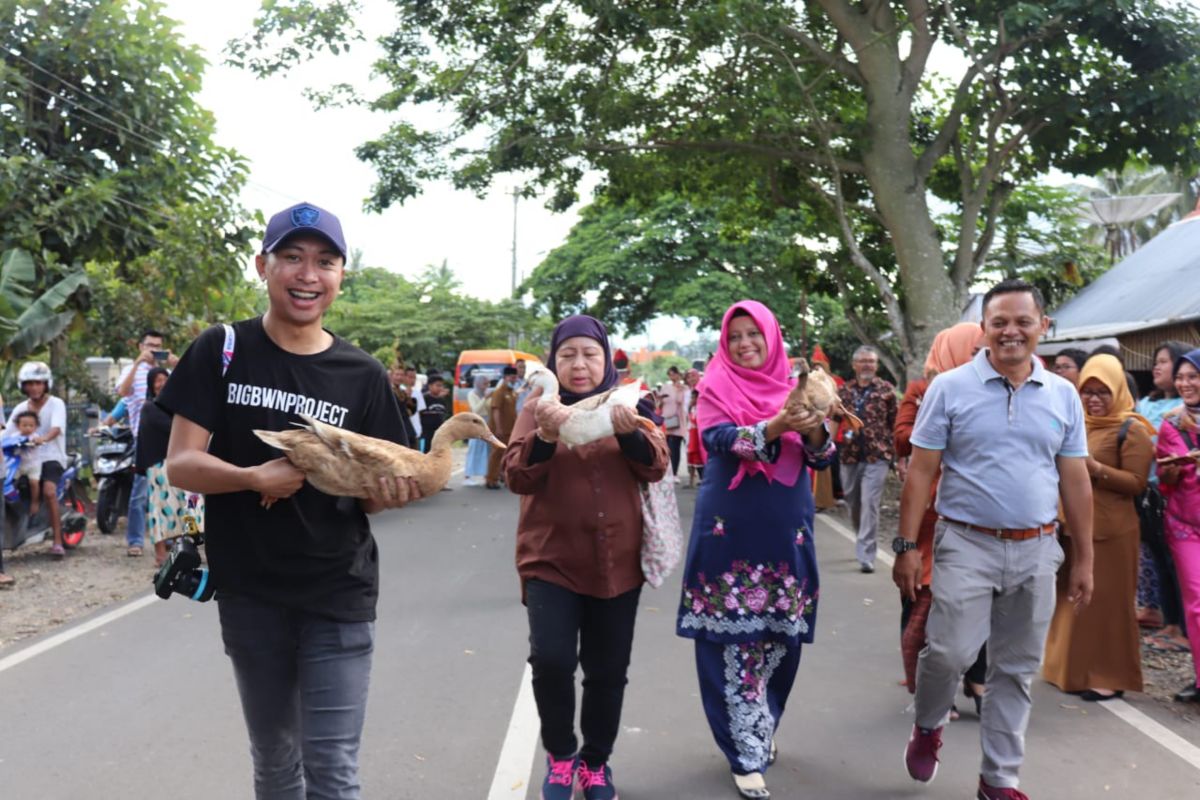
x: 135, y: 526
x: 303, y: 684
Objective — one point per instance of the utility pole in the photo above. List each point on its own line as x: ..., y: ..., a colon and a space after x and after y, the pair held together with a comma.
x: 512, y: 336
x: 516, y: 196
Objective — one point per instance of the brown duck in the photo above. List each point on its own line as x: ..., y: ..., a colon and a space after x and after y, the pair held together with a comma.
x: 816, y: 391
x: 343, y: 464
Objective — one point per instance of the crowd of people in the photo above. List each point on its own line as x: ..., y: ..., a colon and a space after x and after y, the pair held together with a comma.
x: 1106, y: 536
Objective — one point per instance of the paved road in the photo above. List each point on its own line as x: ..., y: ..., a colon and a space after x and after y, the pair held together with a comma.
x: 144, y: 706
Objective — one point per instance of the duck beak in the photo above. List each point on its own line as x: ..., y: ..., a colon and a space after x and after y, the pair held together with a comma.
x: 494, y: 442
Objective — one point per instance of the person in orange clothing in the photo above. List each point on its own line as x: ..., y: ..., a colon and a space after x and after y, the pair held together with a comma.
x: 951, y: 348
x: 827, y: 484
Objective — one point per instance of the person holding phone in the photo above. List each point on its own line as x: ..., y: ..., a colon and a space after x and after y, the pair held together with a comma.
x: 1179, y: 482
x: 131, y: 387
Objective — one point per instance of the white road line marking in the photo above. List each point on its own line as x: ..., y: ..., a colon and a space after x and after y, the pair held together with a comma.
x: 63, y: 637
x: 513, y: 771
x: 1143, y: 724
x: 846, y: 533
x: 1154, y: 730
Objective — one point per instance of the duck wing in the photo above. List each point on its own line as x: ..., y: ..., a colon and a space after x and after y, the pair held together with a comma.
x: 340, y: 462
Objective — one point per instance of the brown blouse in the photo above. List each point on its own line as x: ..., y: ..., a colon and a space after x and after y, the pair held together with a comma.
x: 581, y: 513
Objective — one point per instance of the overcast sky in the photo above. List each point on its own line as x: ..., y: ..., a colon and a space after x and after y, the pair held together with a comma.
x: 296, y: 154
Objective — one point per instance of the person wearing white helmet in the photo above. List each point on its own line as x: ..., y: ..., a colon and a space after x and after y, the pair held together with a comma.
x: 36, y: 381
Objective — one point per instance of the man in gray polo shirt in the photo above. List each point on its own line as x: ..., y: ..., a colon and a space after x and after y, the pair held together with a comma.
x: 1009, y: 438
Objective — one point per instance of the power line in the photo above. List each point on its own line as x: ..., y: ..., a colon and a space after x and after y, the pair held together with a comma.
x: 115, y: 109
x: 166, y: 216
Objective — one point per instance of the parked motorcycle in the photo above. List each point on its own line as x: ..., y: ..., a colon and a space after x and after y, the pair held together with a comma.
x: 17, y: 528
x: 113, y: 468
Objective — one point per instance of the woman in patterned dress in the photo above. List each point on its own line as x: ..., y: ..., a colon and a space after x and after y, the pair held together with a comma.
x: 750, y: 586
x: 166, y: 506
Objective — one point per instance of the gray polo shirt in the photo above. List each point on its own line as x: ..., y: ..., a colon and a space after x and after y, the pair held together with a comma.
x: 998, y: 444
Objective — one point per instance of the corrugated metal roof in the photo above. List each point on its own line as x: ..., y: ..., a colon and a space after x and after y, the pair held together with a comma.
x: 1157, y: 285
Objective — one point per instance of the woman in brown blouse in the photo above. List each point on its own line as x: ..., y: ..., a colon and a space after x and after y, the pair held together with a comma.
x: 1096, y: 652
x: 578, y: 555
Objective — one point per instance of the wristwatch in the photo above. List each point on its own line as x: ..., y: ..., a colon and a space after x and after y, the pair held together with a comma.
x: 900, y: 545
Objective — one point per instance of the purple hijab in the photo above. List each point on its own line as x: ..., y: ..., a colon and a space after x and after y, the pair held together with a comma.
x: 582, y: 325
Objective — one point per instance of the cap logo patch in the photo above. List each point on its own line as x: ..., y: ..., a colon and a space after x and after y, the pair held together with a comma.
x: 305, y: 216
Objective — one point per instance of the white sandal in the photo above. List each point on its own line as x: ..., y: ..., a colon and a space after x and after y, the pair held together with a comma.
x: 751, y: 786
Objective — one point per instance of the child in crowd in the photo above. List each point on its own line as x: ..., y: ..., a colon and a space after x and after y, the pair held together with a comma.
x: 695, y: 449
x: 31, y: 462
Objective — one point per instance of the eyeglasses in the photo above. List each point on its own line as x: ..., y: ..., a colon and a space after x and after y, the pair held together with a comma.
x: 1101, y: 394
x: 1064, y: 367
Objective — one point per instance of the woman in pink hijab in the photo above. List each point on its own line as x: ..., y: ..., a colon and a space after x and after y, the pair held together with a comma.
x: 750, y: 586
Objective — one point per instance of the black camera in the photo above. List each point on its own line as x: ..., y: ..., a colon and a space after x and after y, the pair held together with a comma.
x: 181, y: 573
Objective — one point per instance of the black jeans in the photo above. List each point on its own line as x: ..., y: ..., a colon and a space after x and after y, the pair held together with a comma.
x: 303, y: 683
x: 566, y: 630
x: 675, y: 445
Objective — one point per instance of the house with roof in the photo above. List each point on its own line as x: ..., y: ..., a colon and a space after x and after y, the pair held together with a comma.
x: 1151, y: 296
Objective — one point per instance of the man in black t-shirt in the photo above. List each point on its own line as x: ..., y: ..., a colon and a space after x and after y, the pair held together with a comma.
x: 437, y: 409
x: 296, y: 571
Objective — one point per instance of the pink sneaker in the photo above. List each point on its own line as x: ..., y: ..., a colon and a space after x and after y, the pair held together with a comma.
x: 921, y: 754
x: 596, y: 782
x: 559, y: 783
x: 998, y: 793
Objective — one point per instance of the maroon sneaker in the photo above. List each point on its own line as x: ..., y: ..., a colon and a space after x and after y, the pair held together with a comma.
x: 921, y: 755
x: 998, y: 793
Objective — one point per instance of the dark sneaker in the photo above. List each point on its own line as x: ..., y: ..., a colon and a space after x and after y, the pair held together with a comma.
x: 921, y: 755
x: 996, y: 793
x: 596, y: 782
x: 560, y: 778
x: 1190, y: 694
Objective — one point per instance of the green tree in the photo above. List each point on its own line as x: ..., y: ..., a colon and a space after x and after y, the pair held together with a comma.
x: 1041, y: 238
x: 427, y: 321
x: 108, y: 161
x: 827, y: 106
x: 626, y: 263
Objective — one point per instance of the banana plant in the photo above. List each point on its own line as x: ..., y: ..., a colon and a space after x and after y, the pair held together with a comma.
x: 30, y: 320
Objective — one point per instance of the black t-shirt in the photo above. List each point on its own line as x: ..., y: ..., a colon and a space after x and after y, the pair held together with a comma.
x: 311, y: 551
x: 434, y: 414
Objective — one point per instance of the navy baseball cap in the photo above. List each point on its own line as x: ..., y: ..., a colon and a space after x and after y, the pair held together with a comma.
x: 304, y: 217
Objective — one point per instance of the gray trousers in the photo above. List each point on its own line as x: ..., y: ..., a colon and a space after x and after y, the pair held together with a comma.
x: 303, y: 683
x: 862, y: 484
x: 999, y: 592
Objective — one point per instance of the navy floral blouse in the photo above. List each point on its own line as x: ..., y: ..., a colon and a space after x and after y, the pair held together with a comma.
x: 751, y: 569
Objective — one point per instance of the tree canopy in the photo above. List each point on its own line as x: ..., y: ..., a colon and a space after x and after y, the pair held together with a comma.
x: 827, y: 107
x: 429, y: 321
x: 109, y: 174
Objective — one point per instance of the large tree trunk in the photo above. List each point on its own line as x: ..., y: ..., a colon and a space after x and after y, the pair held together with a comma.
x: 931, y: 301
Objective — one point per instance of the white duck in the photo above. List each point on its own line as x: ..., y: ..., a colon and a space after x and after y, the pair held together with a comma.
x: 586, y: 421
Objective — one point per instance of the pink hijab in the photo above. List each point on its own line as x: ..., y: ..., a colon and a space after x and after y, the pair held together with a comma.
x: 729, y: 393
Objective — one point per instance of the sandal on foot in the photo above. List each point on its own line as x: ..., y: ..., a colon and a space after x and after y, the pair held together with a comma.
x: 1166, y: 644
x: 774, y: 754
x: 57, y: 551
x: 134, y: 551
x: 751, y: 786
x: 6, y: 581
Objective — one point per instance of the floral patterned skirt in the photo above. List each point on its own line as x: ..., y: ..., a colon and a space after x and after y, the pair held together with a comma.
x: 167, y: 506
